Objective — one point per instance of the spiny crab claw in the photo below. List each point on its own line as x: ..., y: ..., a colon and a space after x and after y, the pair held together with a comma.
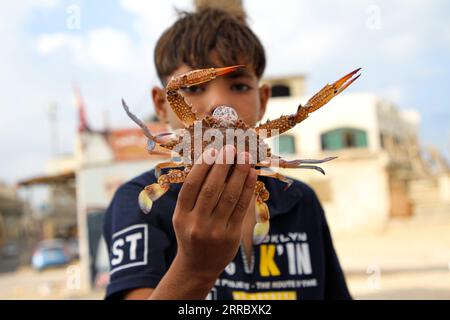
x: 150, y: 193
x: 226, y: 70
x: 345, y: 81
x: 200, y: 76
x: 327, y: 93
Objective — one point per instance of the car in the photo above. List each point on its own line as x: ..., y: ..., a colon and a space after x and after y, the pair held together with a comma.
x: 73, y: 248
x: 50, y: 253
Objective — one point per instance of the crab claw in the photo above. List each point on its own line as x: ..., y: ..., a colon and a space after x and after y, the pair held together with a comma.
x: 200, y: 76
x: 325, y: 95
x: 260, y: 232
x: 226, y: 70
x: 151, y: 193
x: 345, y: 81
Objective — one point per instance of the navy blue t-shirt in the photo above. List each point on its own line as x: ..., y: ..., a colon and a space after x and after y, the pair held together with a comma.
x: 296, y: 260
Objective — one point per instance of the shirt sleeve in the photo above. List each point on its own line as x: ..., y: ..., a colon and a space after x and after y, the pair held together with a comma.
x: 136, y: 246
x: 335, y: 284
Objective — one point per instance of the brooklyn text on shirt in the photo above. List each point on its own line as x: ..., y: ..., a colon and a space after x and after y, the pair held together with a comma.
x: 284, y: 267
x: 129, y: 248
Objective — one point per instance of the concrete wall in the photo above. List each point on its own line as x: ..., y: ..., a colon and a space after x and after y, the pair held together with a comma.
x: 100, y: 182
x: 355, y: 192
x: 444, y: 187
x: 356, y: 110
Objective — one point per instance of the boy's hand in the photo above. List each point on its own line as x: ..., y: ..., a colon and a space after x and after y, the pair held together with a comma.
x: 210, y: 211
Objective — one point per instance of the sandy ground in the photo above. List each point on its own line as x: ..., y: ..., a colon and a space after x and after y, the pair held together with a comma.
x: 56, y: 283
x: 405, y: 260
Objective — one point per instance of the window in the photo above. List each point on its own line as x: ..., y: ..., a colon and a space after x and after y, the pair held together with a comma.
x: 286, y: 144
x: 343, y: 138
x: 280, y: 90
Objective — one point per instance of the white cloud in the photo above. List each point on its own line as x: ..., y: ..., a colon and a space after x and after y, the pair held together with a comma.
x: 407, y: 45
x: 106, y: 48
x: 112, y: 49
x: 153, y: 19
x: 50, y: 43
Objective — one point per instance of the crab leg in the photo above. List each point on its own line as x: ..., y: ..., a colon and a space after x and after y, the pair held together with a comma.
x: 262, y: 226
x: 275, y: 175
x: 165, y: 165
x: 181, y: 108
x: 154, y: 191
x: 278, y: 162
x: 296, y: 164
x: 153, y: 141
x: 138, y: 121
x: 328, y: 92
x: 262, y: 214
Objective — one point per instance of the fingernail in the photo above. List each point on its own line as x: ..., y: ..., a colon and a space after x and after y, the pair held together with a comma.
x: 251, y: 178
x: 244, y: 158
x: 208, y: 156
x: 229, y: 148
x: 229, y: 151
x: 248, y: 158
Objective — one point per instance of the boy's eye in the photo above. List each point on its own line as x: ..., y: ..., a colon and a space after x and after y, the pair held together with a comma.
x: 241, y: 87
x: 193, y: 89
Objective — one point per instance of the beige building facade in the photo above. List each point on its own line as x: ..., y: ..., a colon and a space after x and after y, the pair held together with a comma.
x: 376, y: 145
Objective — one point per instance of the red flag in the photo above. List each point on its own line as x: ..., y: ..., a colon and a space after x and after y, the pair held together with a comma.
x: 79, y: 104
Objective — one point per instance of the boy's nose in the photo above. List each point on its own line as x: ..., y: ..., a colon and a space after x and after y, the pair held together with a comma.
x: 217, y: 98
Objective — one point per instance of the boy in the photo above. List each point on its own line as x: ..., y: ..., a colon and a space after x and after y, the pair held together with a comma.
x: 197, y: 241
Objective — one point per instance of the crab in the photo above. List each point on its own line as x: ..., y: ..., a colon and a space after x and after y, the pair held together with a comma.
x: 221, y: 121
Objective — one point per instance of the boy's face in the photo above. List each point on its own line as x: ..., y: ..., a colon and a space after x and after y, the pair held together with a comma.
x: 239, y: 90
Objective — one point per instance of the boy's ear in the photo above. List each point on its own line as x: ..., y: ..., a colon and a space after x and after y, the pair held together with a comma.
x: 264, y: 95
x: 159, y: 100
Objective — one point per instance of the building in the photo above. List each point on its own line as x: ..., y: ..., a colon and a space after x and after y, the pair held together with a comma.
x: 379, y: 156
x: 11, y: 213
x: 105, y: 160
x: 56, y: 218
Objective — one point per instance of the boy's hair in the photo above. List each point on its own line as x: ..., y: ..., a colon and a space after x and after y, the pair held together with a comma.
x: 193, y: 36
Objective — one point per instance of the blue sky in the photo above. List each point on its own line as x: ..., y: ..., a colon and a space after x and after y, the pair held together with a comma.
x: 403, y: 47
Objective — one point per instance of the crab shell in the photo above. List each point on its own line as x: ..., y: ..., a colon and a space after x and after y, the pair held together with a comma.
x: 215, y: 131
